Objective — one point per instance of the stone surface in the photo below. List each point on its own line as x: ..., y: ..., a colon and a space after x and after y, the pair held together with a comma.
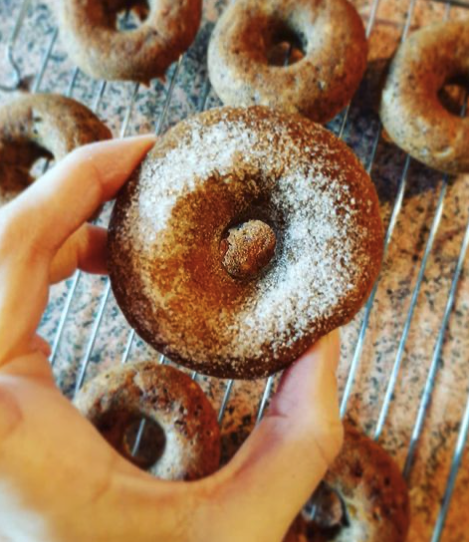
x: 399, y: 276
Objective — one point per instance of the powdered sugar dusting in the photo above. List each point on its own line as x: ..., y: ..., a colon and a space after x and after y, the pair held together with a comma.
x: 309, y: 194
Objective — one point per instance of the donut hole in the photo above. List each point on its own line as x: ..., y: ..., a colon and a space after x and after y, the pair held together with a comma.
x: 136, y: 437
x: 453, y: 95
x: 130, y: 14
x: 287, y: 47
x: 143, y: 442
x: 326, y: 511
x: 21, y: 164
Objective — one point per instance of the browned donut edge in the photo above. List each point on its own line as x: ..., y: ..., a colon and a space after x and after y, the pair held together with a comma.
x: 161, y: 389
x: 127, y: 295
x: 48, y: 125
x: 411, y: 110
x: 319, y: 86
x: 363, y: 466
x: 139, y: 55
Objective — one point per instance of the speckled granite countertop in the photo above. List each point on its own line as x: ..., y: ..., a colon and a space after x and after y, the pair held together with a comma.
x: 388, y: 314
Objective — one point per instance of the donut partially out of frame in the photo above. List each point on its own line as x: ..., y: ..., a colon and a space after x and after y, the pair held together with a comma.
x: 96, y: 45
x: 244, y: 237
x: 411, y: 110
x: 319, y: 85
x: 363, y: 498
x: 34, y: 126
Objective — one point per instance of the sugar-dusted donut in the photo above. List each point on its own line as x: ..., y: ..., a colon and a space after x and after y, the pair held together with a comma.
x: 182, y: 439
x: 411, y: 110
x: 99, y: 49
x: 34, y: 126
x: 364, y: 498
x: 244, y: 237
x: 331, y: 34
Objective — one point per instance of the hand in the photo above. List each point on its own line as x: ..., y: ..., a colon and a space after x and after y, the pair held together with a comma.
x: 59, y: 480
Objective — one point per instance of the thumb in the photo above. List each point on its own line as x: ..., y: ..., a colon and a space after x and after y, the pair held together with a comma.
x: 288, y: 454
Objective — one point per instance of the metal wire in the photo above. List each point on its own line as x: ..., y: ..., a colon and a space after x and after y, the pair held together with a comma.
x: 369, y: 305
x: 391, y: 225
x: 77, y: 275
x: 224, y: 402
x: 107, y: 289
x: 158, y: 130
x: 369, y: 28
x: 265, y: 398
x: 10, y: 45
x: 430, y: 382
x: 413, y: 303
x: 44, y: 63
x: 455, y: 464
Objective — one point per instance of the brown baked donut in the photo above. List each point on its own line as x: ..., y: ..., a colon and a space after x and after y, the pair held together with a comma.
x: 330, y: 34
x: 34, y: 126
x: 182, y: 438
x: 364, y: 498
x: 99, y: 49
x: 185, y: 241
x: 411, y: 110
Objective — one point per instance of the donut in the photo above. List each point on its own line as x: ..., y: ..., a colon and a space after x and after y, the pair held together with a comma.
x: 181, y: 439
x: 363, y: 498
x: 95, y: 44
x: 411, y: 110
x: 318, y: 85
x: 245, y: 235
x: 34, y: 126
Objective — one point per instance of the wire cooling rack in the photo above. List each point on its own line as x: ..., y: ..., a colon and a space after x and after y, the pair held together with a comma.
x: 402, y: 355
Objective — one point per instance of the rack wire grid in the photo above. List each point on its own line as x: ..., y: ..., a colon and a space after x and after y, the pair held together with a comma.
x: 404, y: 370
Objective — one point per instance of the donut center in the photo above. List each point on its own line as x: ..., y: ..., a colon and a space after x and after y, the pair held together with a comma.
x: 287, y: 47
x: 247, y: 248
x: 130, y: 14
x: 143, y: 442
x: 20, y: 165
x: 327, y: 510
x: 453, y: 95
x: 136, y: 437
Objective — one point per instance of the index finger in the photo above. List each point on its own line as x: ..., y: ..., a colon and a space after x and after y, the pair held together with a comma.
x: 36, y: 224
x: 69, y: 193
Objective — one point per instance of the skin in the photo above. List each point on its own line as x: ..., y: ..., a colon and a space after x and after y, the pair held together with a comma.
x: 59, y: 480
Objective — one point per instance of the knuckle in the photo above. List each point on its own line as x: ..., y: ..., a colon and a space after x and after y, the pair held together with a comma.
x: 329, y: 441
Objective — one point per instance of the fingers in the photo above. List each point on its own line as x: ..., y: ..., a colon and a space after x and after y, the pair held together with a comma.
x: 58, y: 203
x: 287, y: 455
x: 85, y: 250
x: 37, y: 223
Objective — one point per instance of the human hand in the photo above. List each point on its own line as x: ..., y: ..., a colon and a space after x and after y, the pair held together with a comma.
x: 59, y: 479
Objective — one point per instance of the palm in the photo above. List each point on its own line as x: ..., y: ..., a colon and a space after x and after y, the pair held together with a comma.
x: 62, y: 467
x: 59, y: 480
